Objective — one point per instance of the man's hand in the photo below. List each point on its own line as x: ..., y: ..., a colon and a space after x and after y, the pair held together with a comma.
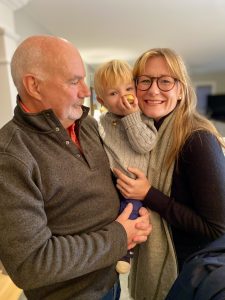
x: 137, y: 230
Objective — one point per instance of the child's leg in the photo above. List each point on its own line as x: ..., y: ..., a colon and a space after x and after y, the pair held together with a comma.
x: 136, y: 206
x: 123, y: 265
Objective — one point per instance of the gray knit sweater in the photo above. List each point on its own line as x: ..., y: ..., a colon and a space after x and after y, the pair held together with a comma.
x: 58, y: 237
x: 128, y: 140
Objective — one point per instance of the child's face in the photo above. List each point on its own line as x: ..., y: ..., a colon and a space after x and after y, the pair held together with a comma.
x: 112, y: 97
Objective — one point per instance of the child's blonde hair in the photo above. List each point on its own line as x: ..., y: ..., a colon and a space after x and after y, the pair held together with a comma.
x: 111, y: 74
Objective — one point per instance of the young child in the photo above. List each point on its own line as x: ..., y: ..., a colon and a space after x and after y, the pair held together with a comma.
x: 128, y: 135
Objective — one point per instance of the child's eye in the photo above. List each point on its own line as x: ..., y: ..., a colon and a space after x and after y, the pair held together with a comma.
x: 130, y: 88
x: 112, y: 93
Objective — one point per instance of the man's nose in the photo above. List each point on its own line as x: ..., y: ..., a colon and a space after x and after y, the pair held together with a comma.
x: 84, y: 90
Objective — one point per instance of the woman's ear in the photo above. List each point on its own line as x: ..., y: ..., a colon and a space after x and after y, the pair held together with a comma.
x: 31, y: 85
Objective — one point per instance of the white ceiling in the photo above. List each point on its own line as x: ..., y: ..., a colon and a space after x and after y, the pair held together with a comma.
x: 123, y: 29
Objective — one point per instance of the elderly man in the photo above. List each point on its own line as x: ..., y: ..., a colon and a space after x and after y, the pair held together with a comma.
x: 60, y: 233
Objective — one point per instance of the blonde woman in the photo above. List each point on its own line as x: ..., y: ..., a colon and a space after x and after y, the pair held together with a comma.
x: 185, y: 186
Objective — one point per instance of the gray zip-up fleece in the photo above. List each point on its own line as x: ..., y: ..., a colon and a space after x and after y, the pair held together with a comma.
x: 58, y: 237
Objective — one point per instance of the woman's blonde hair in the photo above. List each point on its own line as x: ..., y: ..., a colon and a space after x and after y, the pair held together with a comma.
x: 111, y: 74
x: 187, y: 119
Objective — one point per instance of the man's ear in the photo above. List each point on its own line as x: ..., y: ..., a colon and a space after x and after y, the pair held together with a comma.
x: 100, y: 100
x: 31, y: 85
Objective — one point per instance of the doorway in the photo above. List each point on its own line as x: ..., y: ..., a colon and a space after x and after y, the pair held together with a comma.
x: 203, y: 90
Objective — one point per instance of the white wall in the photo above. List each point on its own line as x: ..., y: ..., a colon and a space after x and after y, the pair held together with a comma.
x: 8, y: 41
x: 6, y: 17
x: 26, y: 26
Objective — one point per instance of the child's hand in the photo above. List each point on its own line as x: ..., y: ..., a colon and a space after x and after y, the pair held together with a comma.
x: 129, y: 104
x: 130, y: 98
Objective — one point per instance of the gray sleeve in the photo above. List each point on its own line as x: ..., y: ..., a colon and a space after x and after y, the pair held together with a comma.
x: 141, y: 134
x: 27, y: 244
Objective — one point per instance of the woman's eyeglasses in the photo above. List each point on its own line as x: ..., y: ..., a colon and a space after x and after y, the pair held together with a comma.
x: 164, y: 83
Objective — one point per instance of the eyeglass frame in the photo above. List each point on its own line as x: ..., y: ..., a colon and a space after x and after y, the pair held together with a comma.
x: 152, y: 80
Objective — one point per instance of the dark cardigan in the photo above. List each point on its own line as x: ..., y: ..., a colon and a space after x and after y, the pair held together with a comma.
x: 196, y: 208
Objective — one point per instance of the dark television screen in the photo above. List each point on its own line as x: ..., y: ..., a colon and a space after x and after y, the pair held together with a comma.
x: 216, y: 107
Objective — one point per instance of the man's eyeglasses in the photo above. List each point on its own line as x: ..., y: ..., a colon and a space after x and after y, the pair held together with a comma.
x: 164, y: 83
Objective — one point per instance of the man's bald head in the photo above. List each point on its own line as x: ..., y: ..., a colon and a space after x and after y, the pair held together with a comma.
x: 39, y: 55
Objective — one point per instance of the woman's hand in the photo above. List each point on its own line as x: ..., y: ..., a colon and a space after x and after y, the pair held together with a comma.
x: 132, y: 188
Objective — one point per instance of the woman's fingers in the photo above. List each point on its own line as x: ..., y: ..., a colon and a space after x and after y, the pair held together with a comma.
x: 120, y: 175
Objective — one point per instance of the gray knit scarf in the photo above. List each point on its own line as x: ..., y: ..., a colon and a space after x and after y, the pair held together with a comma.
x: 154, y: 266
